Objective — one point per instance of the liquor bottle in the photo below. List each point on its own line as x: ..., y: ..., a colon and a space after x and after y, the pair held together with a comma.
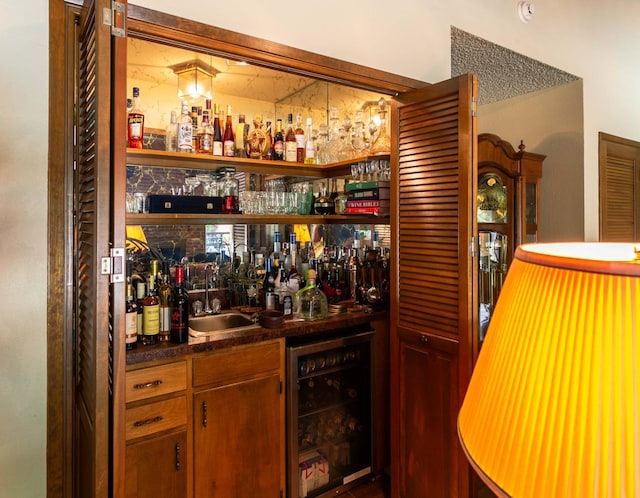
x: 268, y: 290
x: 205, y: 135
x: 151, y: 314
x: 312, y: 303
x: 185, y: 129
x: 300, y: 143
x: 229, y: 191
x: 228, y: 140
x: 277, y: 248
x: 140, y: 295
x: 290, y: 145
x: 309, y: 146
x: 135, y: 122
x: 171, y: 134
x: 295, y: 278
x: 180, y: 314
x: 165, y: 297
x: 131, y: 317
x: 242, y: 130
x: 269, y: 152
x: 217, y: 132
x: 278, y: 142
x: 195, y: 125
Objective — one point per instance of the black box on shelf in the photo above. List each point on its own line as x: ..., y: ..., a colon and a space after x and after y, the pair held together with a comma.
x: 185, y: 204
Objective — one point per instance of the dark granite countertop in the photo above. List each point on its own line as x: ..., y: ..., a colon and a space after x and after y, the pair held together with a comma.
x: 291, y: 328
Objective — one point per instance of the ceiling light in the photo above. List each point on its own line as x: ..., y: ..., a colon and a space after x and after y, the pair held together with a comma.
x: 195, y: 79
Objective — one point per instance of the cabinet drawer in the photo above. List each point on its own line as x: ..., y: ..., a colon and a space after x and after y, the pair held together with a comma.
x: 155, y: 417
x: 154, y: 381
x: 227, y: 366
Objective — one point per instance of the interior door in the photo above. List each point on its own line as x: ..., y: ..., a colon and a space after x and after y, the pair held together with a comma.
x: 97, y: 322
x: 435, y: 282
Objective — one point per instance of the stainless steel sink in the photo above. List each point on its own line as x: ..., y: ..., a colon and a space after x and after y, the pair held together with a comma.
x: 209, y: 326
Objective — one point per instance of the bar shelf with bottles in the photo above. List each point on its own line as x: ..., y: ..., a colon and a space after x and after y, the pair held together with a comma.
x: 329, y: 408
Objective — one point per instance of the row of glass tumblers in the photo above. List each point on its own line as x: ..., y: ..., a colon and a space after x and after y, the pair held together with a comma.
x: 298, y: 201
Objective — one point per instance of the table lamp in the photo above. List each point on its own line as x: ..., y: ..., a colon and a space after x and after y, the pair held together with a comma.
x: 553, y: 405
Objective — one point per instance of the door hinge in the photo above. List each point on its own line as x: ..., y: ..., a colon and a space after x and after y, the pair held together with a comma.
x: 114, y: 265
x: 115, y: 17
x: 474, y: 106
x: 474, y: 247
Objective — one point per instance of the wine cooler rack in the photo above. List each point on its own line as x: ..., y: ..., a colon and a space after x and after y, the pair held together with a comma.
x: 329, y: 410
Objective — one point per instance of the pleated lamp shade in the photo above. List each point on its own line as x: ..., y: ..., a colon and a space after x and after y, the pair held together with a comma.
x: 553, y: 405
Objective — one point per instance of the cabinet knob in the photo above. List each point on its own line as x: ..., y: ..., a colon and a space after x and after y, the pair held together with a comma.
x: 424, y: 339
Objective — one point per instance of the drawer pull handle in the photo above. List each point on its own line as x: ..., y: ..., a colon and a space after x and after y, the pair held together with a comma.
x: 204, y: 414
x: 148, y: 421
x: 424, y: 339
x: 177, y: 456
x: 154, y: 383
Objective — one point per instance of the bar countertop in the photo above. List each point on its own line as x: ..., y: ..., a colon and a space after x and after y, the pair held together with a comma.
x: 290, y: 328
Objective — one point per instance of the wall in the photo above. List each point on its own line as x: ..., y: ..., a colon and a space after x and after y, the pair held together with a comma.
x: 23, y: 249
x: 550, y: 123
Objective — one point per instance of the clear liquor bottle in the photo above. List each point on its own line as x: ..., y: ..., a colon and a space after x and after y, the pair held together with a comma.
x: 312, y: 302
x: 309, y: 146
x: 205, y: 135
x: 185, y: 129
x: 171, y: 134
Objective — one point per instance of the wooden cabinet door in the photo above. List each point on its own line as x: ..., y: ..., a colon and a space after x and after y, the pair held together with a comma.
x: 428, y: 410
x: 238, y: 440
x: 157, y: 468
x: 434, y: 284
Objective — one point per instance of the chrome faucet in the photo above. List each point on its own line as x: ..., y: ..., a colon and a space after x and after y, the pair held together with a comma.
x: 208, y: 274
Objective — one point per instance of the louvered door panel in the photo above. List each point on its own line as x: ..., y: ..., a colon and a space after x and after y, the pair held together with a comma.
x: 92, y: 208
x: 433, y: 203
x: 619, y: 182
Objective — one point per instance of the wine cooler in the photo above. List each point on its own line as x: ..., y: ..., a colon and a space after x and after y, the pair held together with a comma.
x: 329, y: 414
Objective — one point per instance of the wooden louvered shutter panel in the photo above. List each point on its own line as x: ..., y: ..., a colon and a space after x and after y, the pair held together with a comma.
x: 435, y: 222
x: 433, y: 315
x: 92, y: 204
x: 619, y: 181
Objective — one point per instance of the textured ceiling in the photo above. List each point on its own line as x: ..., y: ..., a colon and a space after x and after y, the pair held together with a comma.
x: 502, y: 73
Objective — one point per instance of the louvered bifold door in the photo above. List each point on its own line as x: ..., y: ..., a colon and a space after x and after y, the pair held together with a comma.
x: 92, y: 229
x: 434, y: 226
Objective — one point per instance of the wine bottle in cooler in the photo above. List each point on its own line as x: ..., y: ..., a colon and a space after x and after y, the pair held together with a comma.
x: 180, y: 311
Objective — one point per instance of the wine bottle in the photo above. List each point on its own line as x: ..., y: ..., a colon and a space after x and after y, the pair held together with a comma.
x: 135, y: 122
x: 180, y: 313
x: 300, y: 143
x: 165, y: 297
x: 217, y: 132
x: 278, y: 142
x: 242, y: 130
x: 268, y: 291
x: 290, y: 145
x: 131, y: 317
x: 228, y: 139
x: 151, y: 314
x: 269, y: 152
x: 140, y: 295
x: 185, y: 129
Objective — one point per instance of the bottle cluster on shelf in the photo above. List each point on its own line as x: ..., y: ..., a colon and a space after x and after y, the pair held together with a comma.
x: 211, y: 131
x: 157, y: 310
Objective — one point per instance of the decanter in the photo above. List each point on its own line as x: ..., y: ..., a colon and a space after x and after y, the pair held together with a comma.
x: 312, y: 302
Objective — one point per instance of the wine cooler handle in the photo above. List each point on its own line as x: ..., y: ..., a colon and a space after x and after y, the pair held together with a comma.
x: 154, y: 383
x: 148, y: 421
x: 177, y: 456
x: 204, y: 414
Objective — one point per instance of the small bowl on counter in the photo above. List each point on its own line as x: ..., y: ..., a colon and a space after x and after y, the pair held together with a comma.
x: 271, y: 319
